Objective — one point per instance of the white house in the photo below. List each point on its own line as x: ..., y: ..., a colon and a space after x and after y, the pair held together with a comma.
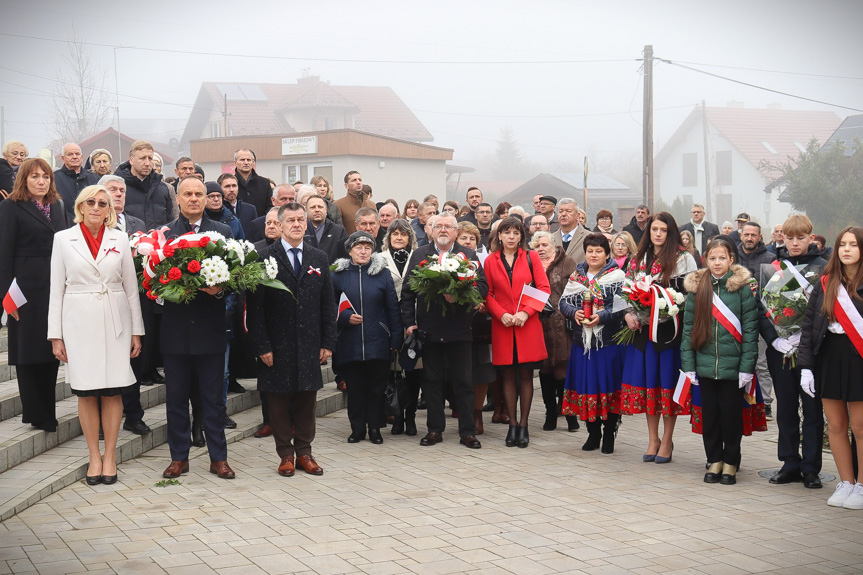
x: 739, y: 140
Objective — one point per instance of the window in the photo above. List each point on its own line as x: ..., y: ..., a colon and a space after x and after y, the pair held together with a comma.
x: 216, y: 129
x: 724, y: 207
x: 690, y: 170
x: 723, y: 168
x: 329, y: 123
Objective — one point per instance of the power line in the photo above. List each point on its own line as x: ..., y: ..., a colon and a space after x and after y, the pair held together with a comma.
x: 756, y: 86
x: 788, y: 72
x: 553, y: 117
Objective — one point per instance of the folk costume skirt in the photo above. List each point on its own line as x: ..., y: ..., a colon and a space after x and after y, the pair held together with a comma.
x: 593, y: 382
x: 649, y: 378
x: 754, y: 416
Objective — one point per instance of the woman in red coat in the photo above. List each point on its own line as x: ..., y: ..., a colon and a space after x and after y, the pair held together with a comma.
x: 517, y: 342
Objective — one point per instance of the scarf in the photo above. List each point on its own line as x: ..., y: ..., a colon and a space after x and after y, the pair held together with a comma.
x: 92, y: 243
x: 579, y: 284
x: 400, y: 257
x: 606, y: 230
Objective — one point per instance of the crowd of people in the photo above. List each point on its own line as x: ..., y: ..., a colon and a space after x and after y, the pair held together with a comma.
x: 349, y: 264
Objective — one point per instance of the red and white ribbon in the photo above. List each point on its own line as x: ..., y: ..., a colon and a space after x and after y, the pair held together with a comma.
x: 314, y: 270
x: 726, y: 318
x: 849, y: 318
x: 660, y: 292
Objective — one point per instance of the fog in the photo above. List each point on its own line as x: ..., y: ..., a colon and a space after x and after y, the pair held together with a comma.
x: 565, y: 76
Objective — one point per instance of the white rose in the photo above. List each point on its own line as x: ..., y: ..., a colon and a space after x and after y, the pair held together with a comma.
x: 677, y: 297
x: 435, y: 267
x: 661, y: 303
x: 673, y: 310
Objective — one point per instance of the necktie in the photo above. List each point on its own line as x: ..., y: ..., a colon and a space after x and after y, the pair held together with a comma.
x: 296, y: 252
x: 121, y: 223
x: 195, y: 228
x: 567, y: 237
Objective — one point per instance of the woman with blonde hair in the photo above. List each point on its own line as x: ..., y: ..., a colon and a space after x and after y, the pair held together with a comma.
x: 94, y: 312
x: 14, y: 153
x: 325, y: 190
x: 100, y: 162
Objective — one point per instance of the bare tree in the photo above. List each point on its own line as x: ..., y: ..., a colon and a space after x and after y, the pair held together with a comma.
x: 81, y: 104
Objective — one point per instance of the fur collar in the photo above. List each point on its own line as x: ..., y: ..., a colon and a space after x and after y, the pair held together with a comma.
x: 739, y: 277
x: 375, y: 265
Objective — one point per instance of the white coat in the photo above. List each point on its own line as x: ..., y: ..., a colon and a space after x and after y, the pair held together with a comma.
x: 94, y: 308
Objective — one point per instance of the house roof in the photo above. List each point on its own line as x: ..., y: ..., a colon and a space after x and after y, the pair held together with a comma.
x: 571, y: 184
x: 848, y: 131
x: 770, y: 135
x: 258, y: 109
x: 108, y: 139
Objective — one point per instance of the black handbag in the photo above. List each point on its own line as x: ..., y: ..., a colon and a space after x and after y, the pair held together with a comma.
x: 395, y: 396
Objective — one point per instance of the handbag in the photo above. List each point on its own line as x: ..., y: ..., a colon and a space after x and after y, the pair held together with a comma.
x: 396, y: 392
x: 548, y: 310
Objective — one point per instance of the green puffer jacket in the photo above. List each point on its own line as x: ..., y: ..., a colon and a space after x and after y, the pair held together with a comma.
x: 722, y: 357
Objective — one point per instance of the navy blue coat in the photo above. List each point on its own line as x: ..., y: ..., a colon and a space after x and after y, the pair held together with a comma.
x: 198, y: 327
x: 247, y: 214
x: 230, y: 220
x: 370, y: 288
x: 69, y: 185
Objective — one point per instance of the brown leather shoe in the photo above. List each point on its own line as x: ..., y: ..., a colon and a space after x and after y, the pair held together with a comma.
x: 264, y: 431
x: 309, y: 465
x: 286, y: 467
x: 477, y: 421
x: 471, y: 442
x: 176, y: 469
x: 431, y: 438
x: 222, y: 469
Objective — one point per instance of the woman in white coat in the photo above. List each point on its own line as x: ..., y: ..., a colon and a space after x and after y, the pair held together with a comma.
x: 94, y: 322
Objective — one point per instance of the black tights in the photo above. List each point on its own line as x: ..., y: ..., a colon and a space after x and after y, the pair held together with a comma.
x: 517, y: 382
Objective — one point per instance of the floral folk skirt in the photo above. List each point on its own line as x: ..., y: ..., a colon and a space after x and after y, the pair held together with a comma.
x: 592, y: 388
x: 754, y: 416
x: 649, y: 378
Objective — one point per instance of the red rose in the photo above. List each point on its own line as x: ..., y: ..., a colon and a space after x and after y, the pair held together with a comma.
x: 151, y: 295
x: 788, y: 312
x: 168, y: 251
x: 163, y: 280
x: 194, y: 266
x: 182, y: 244
x: 204, y: 241
x: 174, y: 273
x: 146, y: 283
x: 424, y: 262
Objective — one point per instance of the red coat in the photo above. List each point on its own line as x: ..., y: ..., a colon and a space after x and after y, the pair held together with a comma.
x: 503, y: 298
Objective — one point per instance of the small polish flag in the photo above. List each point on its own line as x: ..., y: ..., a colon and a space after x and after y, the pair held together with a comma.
x: 14, y: 298
x: 681, y: 391
x: 345, y: 303
x: 533, y: 298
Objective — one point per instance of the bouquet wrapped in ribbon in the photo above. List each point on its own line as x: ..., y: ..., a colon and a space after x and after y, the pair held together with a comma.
x: 652, y: 304
x: 447, y: 274
x: 785, y: 296
x: 174, y: 270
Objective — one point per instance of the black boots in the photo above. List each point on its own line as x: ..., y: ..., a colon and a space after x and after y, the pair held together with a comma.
x: 511, y: 436
x: 594, y: 430
x: 609, y: 430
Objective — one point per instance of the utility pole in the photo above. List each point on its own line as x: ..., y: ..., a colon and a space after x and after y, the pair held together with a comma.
x: 707, y: 200
x: 647, y: 143
x: 226, y: 114
x: 117, y: 98
x: 2, y: 126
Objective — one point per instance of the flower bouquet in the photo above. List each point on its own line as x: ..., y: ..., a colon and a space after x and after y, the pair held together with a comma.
x: 174, y: 270
x: 651, y: 303
x: 447, y: 274
x: 785, y: 296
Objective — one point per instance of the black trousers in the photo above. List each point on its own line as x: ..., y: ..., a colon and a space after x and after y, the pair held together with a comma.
x: 132, y: 408
x: 36, y: 386
x: 412, y: 380
x: 451, y: 362
x: 148, y: 359
x: 292, y: 417
x: 786, y: 388
x: 722, y: 417
x: 367, y: 382
x: 209, y: 371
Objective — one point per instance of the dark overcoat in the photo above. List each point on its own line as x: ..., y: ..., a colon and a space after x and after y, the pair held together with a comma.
x: 26, y: 241
x: 293, y: 326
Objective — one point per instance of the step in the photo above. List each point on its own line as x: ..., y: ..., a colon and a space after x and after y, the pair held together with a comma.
x: 54, y: 469
x: 10, y: 400
x: 7, y: 371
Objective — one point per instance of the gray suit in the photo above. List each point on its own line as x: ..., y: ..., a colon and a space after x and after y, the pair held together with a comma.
x: 575, y: 250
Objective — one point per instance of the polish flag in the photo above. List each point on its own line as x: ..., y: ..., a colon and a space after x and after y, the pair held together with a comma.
x: 681, y: 391
x: 345, y: 303
x: 533, y: 298
x: 14, y: 298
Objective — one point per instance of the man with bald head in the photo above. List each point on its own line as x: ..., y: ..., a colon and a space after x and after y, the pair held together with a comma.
x: 387, y: 213
x: 71, y: 178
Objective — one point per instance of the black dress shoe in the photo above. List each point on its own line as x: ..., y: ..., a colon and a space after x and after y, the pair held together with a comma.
x: 109, y: 479
x: 410, y: 427
x: 714, y: 471
x: 230, y: 423
x: 811, y: 480
x: 356, y: 436
x: 522, y: 438
x: 489, y: 406
x: 431, y: 438
x: 235, y: 387
x: 157, y: 377
x: 470, y: 442
x: 375, y: 436
x: 511, y: 436
x: 138, y: 427
x: 94, y: 480
x: 398, y: 426
x: 198, y: 435
x: 784, y: 477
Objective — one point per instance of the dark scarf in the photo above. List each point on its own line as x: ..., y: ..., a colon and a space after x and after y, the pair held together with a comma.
x: 400, y: 257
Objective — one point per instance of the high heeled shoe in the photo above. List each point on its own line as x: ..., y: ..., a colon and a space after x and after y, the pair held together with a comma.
x: 522, y: 437
x: 650, y: 457
x: 109, y: 479
x: 660, y: 459
x: 511, y: 436
x: 94, y: 479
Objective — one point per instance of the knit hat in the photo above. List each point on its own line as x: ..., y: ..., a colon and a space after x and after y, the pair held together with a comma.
x: 213, y: 187
x: 357, y: 238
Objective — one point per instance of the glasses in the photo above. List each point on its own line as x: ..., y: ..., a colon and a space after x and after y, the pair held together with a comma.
x: 443, y: 227
x: 101, y: 203
x: 605, y: 218
x: 697, y: 212
x: 18, y: 154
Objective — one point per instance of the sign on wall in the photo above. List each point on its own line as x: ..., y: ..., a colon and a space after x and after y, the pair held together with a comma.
x: 299, y: 146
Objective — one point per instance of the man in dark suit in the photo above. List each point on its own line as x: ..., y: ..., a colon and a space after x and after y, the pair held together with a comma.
x: 293, y: 334
x: 283, y: 194
x: 245, y: 212
x: 71, y: 178
x: 322, y: 233
x: 132, y: 408
x: 702, y: 230
x: 193, y: 346
x: 447, y: 340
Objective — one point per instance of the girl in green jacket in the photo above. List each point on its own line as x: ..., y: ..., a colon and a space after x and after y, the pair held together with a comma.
x: 718, y: 352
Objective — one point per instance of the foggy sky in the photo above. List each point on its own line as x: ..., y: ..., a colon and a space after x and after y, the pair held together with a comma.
x: 575, y: 107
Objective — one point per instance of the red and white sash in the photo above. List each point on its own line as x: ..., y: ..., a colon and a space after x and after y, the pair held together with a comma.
x: 726, y: 318
x: 849, y: 318
x: 661, y: 292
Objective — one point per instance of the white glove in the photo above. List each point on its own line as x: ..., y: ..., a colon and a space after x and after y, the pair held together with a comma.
x: 794, y: 340
x: 692, y: 377
x: 744, y: 379
x: 782, y: 345
x: 807, y: 382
